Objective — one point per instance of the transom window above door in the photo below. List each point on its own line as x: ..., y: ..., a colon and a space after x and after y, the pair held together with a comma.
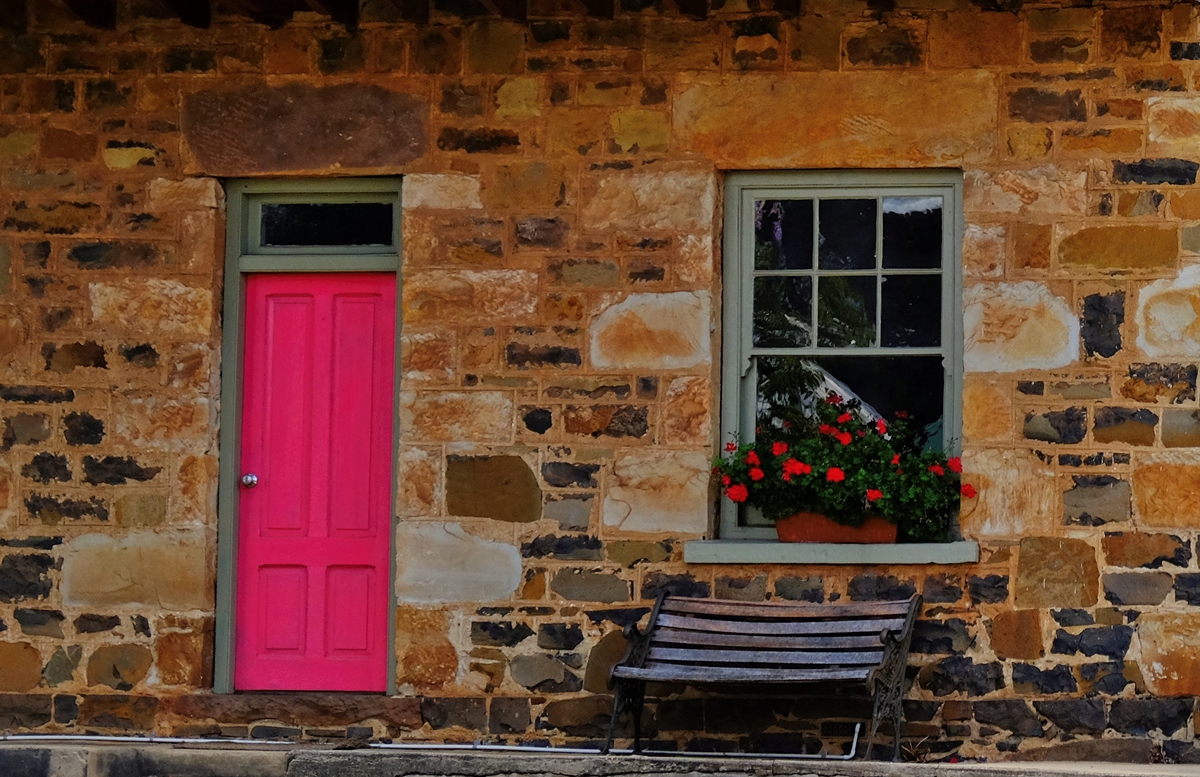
x: 846, y: 283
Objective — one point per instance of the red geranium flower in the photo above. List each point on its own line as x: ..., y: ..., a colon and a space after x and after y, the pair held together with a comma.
x: 968, y: 490
x: 779, y: 448
x: 955, y: 464
x: 937, y: 469
x: 873, y: 494
x: 835, y: 475
x: 896, y: 459
x: 757, y: 474
x: 843, y: 418
x: 833, y: 399
x: 843, y: 437
x: 726, y: 480
x: 737, y: 493
x: 902, y: 414
x: 752, y: 458
x: 825, y: 429
x: 880, y: 426
x: 730, y: 447
x: 862, y: 432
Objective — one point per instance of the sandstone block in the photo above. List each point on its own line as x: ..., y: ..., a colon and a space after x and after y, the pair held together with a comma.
x: 1017, y: 494
x: 441, y: 562
x: 1168, y: 321
x: 178, y: 425
x: 424, y: 655
x: 155, y: 305
x: 1170, y: 655
x: 517, y: 98
x: 503, y: 488
x: 653, y: 331
x: 1145, y: 550
x: 987, y: 412
x: 170, y: 195
x: 20, y: 667
x: 983, y: 251
x: 427, y: 357
x: 973, y: 39
x: 1137, y: 588
x: 457, y: 416
x: 183, y: 657
x: 1181, y: 429
x: 1047, y: 189
x: 658, y: 491
x: 1095, y: 500
x: 527, y: 185
x: 1017, y: 634
x: 1167, y: 493
x: 449, y: 191
x: 419, y: 491
x: 120, y: 667
x: 486, y: 296
x: 259, y: 128
x: 869, y: 118
x: 638, y: 129
x: 1127, y: 247
x: 169, y: 571
x: 1027, y: 142
x: 1056, y: 572
x: 687, y: 415
x: 1017, y: 326
x: 680, y: 200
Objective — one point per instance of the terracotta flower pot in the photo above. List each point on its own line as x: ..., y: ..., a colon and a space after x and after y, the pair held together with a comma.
x: 814, y: 527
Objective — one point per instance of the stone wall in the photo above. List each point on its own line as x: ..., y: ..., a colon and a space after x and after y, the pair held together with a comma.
x: 561, y: 307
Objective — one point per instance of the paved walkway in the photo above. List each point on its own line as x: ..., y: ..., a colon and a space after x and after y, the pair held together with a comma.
x: 85, y: 759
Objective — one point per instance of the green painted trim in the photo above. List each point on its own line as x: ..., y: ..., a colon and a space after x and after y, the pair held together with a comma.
x: 775, y: 552
x: 239, y: 262
x: 738, y: 375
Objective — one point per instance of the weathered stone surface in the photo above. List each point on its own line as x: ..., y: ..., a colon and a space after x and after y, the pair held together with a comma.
x: 449, y: 713
x: 1175, y: 383
x: 1145, y: 550
x: 1094, y: 500
x: 20, y: 667
x: 1174, y: 122
x: 1100, y: 327
x: 500, y: 487
x: 1131, y: 32
x: 1125, y: 425
x: 184, y: 194
x: 142, y: 568
x: 1076, y: 716
x: 655, y: 583
x: 868, y: 587
x: 572, y: 511
x: 441, y: 562
x: 565, y: 474
x: 1059, y: 426
x: 569, y: 547
x: 62, y: 665
x: 486, y: 296
x: 184, y: 657
x: 1047, y: 189
x: 801, y: 589
x: 419, y: 490
x: 743, y: 589
x: 120, y: 667
x: 680, y: 200
x: 1056, y: 572
x: 262, y: 129
x: 989, y: 589
x: 1141, y: 716
x: 987, y: 412
x: 629, y: 553
x: 25, y: 576
x: 155, y: 305
x: 1011, y: 714
x: 1170, y: 654
x: 559, y: 636
x: 607, y: 420
x: 941, y: 589
x: 533, y: 670
x: 1166, y: 318
x: 1137, y: 588
x: 1017, y: 634
x: 425, y: 657
x: 1127, y: 247
x: 1017, y: 326
x: 441, y: 190
x: 457, y: 416
x: 961, y: 675
x: 658, y: 491
x: 589, y: 586
x: 1111, y: 641
x: 603, y: 656
x: 1181, y: 429
x: 1017, y: 494
x: 653, y: 331
x: 948, y: 636
x: 499, y: 634
x: 870, y: 118
x: 40, y: 623
x: 1167, y: 494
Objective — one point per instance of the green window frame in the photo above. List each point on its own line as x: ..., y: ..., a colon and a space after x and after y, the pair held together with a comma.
x: 742, y: 356
x: 245, y: 253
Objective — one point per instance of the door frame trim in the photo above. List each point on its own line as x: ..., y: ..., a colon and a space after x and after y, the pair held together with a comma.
x: 238, y: 263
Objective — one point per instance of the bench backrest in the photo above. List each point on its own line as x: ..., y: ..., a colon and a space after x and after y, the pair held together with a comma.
x: 718, y: 640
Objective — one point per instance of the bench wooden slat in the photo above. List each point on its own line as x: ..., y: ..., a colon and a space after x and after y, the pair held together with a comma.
x: 782, y: 628
x: 789, y: 658
x: 788, y: 611
x: 711, y: 674
x: 669, y: 636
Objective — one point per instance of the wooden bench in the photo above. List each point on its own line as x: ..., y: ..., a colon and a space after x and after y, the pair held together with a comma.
x: 711, y: 641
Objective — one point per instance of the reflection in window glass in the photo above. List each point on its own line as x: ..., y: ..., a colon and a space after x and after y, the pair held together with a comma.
x: 782, y: 311
x: 847, y: 235
x: 783, y: 232
x: 846, y: 311
x: 327, y: 224
x: 911, y: 313
x: 912, y: 232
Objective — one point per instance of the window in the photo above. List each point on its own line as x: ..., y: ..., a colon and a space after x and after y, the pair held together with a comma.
x: 845, y: 282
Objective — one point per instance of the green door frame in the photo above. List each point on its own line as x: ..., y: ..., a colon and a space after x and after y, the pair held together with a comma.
x: 243, y: 255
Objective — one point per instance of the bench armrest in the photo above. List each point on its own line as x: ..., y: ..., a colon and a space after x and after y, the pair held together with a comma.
x: 895, y: 649
x: 639, y: 641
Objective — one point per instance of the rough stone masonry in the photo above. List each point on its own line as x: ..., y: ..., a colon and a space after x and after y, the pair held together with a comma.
x: 561, y: 287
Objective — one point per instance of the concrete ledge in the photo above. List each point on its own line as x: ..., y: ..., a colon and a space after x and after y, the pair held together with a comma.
x: 771, y: 552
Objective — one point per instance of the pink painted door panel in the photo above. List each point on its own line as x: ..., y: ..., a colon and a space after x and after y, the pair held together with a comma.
x: 314, y: 533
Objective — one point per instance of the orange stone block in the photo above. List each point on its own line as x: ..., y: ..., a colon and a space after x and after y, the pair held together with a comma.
x: 1167, y: 494
x: 1127, y: 247
x: 1170, y: 656
x: 1017, y: 634
x: 974, y: 39
x: 1107, y: 141
x: 987, y: 412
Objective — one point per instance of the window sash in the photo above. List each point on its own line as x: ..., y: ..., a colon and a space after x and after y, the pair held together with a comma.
x: 738, y: 368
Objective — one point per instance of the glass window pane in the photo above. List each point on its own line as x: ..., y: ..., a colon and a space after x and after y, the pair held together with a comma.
x: 783, y: 232
x: 891, y: 384
x: 327, y: 224
x: 847, y: 239
x: 782, y: 311
x: 846, y: 311
x: 911, y: 311
x: 912, y: 232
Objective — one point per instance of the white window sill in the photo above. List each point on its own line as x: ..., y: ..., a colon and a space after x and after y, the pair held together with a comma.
x: 772, y: 552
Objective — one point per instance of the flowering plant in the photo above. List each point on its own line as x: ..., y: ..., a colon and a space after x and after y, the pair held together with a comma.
x: 846, y: 465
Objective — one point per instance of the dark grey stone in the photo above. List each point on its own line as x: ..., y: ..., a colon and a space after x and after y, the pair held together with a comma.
x: 570, y: 547
x: 654, y: 583
x: 559, y: 636
x: 1111, y: 641
x: 1060, y: 426
x: 66, y: 708
x: 30, y: 395
x: 1155, y: 171
x: 40, y: 623
x: 1107, y: 677
x: 25, y: 577
x: 47, y: 468
x: 509, y: 716
x: 590, y: 586
x: 941, y: 589
x: 1075, y: 716
x: 620, y: 616
x: 1146, y: 588
x: 801, y: 589
x: 572, y: 511
x: 82, y: 429
x: 992, y: 589
x: 1095, y: 500
x: 1011, y: 714
x: 1100, y: 325
x: 538, y: 419
x: 62, y: 665
x: 949, y: 636
x: 499, y: 633
x: 962, y: 675
x: 563, y: 474
x: 1029, y: 679
x: 19, y: 762
x: 90, y: 624
x: 868, y: 587
x: 1141, y: 716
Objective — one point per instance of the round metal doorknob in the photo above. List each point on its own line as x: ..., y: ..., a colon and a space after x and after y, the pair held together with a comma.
x: 250, y: 481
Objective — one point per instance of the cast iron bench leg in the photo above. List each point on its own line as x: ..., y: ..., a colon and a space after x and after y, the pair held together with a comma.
x: 629, y: 696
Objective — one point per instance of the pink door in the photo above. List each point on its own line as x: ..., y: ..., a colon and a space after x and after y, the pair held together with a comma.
x: 316, y: 437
